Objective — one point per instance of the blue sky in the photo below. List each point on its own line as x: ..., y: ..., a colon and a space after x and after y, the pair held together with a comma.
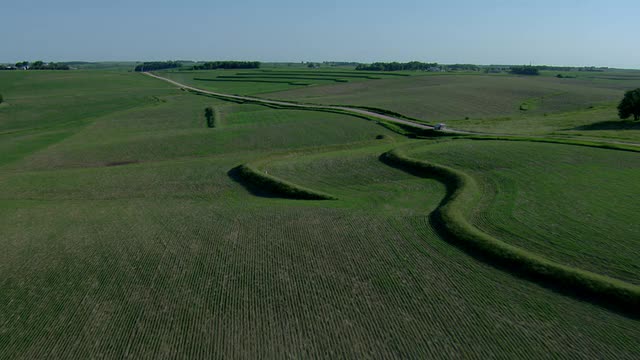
x: 560, y: 32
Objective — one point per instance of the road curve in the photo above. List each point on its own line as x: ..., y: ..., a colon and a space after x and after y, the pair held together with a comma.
x: 302, y: 106
x: 358, y: 111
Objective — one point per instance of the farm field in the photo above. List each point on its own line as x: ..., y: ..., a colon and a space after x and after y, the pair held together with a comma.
x: 259, y: 81
x: 125, y: 234
x: 573, y: 204
x: 500, y: 103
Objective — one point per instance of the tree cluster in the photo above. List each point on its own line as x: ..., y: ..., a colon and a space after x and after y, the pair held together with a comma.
x: 525, y: 70
x: 157, y: 65
x: 396, y: 66
x: 462, y: 67
x: 210, y: 116
x: 212, y: 65
x: 340, y: 63
x: 37, y: 65
x: 630, y: 105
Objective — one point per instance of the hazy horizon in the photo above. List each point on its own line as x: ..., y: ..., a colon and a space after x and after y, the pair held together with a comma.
x: 573, y: 33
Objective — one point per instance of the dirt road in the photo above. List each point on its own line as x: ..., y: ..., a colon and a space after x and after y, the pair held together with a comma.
x: 302, y: 106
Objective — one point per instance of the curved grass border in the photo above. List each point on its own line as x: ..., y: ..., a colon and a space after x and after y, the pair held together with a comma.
x: 261, y: 182
x: 563, y: 141
x: 461, y: 192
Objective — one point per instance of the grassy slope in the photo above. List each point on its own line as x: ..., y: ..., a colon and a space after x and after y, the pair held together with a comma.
x: 170, y: 257
x: 43, y: 108
x: 571, y: 204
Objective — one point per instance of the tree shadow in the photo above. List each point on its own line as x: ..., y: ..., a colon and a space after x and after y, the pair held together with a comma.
x: 610, y: 125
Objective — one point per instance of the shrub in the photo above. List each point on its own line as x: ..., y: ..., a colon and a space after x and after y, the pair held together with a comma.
x: 210, y: 116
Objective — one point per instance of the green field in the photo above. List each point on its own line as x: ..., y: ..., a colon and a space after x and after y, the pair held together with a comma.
x: 582, y: 106
x: 124, y: 234
x: 260, y: 81
x: 571, y: 203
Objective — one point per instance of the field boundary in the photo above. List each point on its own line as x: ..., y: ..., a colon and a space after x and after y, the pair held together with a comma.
x: 261, y: 183
x: 449, y: 218
x: 595, y: 144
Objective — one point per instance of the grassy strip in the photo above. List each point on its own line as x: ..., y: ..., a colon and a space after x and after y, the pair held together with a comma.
x: 336, y: 72
x: 601, y: 145
x: 261, y: 78
x: 296, y: 75
x: 255, y: 81
x: 261, y: 182
x: 461, y: 193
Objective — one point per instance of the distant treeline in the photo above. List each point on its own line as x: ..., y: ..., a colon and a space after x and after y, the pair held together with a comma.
x: 525, y: 70
x: 396, y: 66
x: 340, y: 63
x: 462, y: 67
x: 570, y: 68
x: 212, y: 65
x: 37, y: 65
x: 157, y: 65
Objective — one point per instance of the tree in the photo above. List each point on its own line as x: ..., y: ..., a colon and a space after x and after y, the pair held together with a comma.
x: 208, y: 113
x: 630, y: 105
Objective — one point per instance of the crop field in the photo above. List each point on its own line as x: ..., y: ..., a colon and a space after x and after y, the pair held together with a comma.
x: 126, y: 233
x: 528, y: 201
x: 492, y: 103
x: 253, y: 82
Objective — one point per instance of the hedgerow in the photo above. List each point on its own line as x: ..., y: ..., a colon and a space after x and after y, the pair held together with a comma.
x: 271, y: 184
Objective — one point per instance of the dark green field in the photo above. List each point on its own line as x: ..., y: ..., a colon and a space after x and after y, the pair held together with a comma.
x: 126, y: 234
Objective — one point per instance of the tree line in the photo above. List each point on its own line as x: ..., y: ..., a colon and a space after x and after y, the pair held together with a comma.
x: 462, y: 67
x: 524, y: 70
x: 212, y: 65
x: 37, y: 65
x: 157, y: 65
x: 396, y: 66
